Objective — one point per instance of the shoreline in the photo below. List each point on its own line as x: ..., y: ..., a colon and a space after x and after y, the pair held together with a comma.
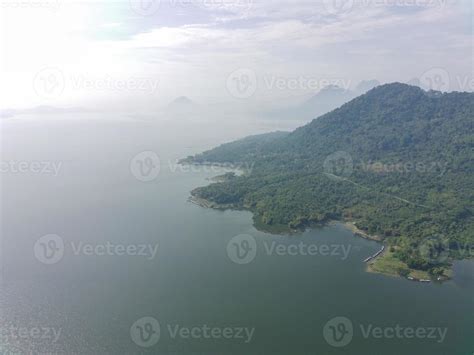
x: 237, y: 169
x: 201, y: 202
x: 359, y: 232
x: 382, y: 262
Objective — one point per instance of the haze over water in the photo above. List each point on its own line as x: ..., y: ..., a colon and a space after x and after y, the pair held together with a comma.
x: 284, y: 299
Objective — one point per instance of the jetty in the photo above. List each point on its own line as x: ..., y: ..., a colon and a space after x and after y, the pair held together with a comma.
x: 192, y: 200
x: 375, y: 255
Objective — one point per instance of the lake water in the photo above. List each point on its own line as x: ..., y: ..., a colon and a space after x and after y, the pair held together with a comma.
x: 280, y: 295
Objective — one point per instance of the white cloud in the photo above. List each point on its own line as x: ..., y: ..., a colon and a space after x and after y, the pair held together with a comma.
x: 280, y: 38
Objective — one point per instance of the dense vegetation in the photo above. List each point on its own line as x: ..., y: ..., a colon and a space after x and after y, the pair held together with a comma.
x: 245, y: 150
x: 397, y: 160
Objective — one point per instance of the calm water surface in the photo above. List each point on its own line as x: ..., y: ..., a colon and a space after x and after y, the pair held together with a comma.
x: 283, y: 297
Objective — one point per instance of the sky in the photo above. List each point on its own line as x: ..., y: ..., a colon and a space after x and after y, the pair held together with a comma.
x: 138, y: 55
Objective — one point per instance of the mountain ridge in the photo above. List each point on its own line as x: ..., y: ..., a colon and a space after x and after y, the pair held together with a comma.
x: 397, y: 160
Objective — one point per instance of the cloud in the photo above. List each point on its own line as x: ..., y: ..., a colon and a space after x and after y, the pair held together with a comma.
x: 190, y: 46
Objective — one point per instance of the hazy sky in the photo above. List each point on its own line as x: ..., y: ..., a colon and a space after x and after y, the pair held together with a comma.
x: 140, y: 54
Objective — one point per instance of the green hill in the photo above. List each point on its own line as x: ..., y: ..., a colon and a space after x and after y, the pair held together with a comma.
x: 398, y: 161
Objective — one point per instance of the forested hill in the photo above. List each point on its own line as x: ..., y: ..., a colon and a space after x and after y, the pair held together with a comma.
x: 397, y: 160
x: 241, y: 151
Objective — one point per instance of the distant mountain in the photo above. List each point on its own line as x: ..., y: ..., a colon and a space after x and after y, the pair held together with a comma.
x: 182, y: 107
x: 365, y: 86
x: 181, y: 101
x: 397, y: 161
x: 326, y: 100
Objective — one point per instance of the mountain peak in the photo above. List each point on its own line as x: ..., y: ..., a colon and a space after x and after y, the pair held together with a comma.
x: 366, y: 85
x: 181, y: 107
x: 182, y: 100
x: 331, y: 87
x: 395, y: 88
x: 395, y: 158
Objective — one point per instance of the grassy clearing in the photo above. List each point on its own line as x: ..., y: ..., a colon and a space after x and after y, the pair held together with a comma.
x: 389, y: 265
